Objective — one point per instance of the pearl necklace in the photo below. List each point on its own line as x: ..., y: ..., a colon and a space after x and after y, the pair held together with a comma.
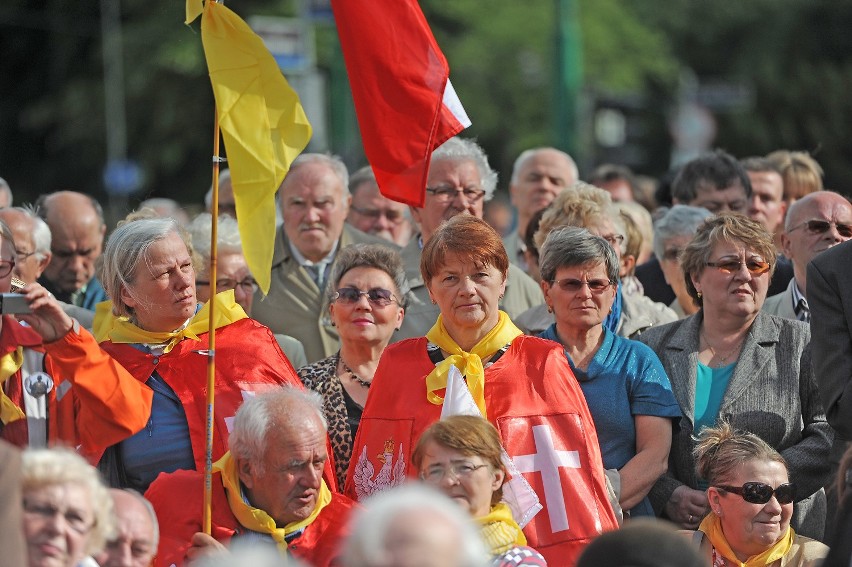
x: 354, y: 376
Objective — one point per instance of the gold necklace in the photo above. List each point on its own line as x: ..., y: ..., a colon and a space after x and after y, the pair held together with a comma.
x: 723, y: 360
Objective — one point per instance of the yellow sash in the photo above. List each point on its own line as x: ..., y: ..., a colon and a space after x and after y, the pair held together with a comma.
x: 257, y: 520
x: 500, y: 531
x: 9, y: 364
x: 121, y: 330
x: 712, y: 526
x: 468, y: 363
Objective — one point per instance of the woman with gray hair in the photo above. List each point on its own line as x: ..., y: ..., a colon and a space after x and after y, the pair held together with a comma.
x: 367, y: 290
x: 160, y: 334
x: 672, y: 232
x: 59, y: 483
x: 626, y: 388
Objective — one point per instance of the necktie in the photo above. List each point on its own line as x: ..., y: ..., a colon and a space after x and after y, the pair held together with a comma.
x: 317, y: 273
x: 803, y: 312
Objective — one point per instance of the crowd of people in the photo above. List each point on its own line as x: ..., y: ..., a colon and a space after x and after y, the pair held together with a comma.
x: 621, y: 376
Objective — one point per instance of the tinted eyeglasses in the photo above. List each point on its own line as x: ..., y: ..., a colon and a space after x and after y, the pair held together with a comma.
x: 377, y: 296
x: 755, y: 267
x: 760, y: 493
x: 817, y: 226
x: 572, y: 285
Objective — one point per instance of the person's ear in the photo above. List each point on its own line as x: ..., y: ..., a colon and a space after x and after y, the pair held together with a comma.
x: 715, y: 500
x: 628, y: 263
x: 499, y: 477
x: 244, y: 470
x: 42, y: 264
x: 126, y: 297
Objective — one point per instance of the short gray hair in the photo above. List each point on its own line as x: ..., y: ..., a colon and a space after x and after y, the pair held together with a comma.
x: 227, y: 235
x: 224, y: 177
x: 360, y: 177
x: 41, y: 232
x: 680, y: 220
x: 527, y: 154
x: 5, y: 189
x: 376, y: 256
x: 275, y: 409
x: 126, y: 249
x: 333, y: 162
x: 366, y: 545
x: 570, y: 246
x: 49, y: 467
x: 464, y: 149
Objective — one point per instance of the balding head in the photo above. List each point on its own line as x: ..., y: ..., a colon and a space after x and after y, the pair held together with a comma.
x: 138, y: 532
x: 77, y: 227
x: 539, y: 175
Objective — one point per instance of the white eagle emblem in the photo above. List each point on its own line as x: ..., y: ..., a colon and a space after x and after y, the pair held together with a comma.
x: 389, y: 475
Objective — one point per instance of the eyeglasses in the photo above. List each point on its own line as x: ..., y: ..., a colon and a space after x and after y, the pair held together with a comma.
x: 22, y: 256
x: 43, y: 512
x: 444, y: 194
x: 572, y: 285
x: 377, y: 296
x: 459, y: 470
x: 760, y: 493
x: 755, y: 267
x: 392, y: 215
x: 6, y: 267
x: 248, y: 285
x: 614, y: 239
x: 817, y: 226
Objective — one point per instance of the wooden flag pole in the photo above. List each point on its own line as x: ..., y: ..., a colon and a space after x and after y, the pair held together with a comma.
x: 211, y: 348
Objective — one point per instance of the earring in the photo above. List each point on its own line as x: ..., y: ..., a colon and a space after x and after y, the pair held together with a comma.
x: 333, y: 324
x: 501, y: 296
x: 549, y: 309
x: 434, y: 302
x: 699, y: 294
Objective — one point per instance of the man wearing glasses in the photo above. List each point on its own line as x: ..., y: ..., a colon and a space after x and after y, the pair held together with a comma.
x: 816, y: 222
x: 460, y: 181
x: 375, y: 214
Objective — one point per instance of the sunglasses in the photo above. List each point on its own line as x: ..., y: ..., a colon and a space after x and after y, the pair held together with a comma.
x: 377, y: 296
x: 755, y: 267
x: 760, y: 493
x: 816, y: 226
x: 572, y: 285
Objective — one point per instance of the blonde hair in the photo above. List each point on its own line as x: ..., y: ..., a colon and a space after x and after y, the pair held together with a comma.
x: 722, y: 449
x: 579, y: 205
x: 801, y: 173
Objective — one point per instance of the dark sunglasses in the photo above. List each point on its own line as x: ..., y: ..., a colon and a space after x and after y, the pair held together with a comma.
x: 572, y: 285
x: 817, y: 226
x: 760, y: 493
x: 376, y: 296
x: 755, y: 267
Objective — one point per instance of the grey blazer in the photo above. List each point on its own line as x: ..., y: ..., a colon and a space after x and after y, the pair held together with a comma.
x: 781, y: 304
x: 771, y: 394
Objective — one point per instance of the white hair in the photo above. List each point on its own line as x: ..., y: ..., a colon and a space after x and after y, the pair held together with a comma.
x: 41, y: 232
x: 224, y: 177
x: 464, y: 149
x: 227, y: 235
x: 334, y: 163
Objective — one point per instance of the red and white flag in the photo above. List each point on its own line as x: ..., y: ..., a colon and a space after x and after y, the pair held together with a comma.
x: 405, y: 103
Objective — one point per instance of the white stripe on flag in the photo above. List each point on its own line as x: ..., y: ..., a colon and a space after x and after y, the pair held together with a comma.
x: 452, y: 102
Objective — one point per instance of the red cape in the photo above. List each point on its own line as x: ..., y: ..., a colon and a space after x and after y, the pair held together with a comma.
x: 532, y: 398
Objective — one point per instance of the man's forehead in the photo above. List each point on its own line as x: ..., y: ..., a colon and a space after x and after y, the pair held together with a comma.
x: 452, y: 169
x: 314, y: 177
x: 823, y: 207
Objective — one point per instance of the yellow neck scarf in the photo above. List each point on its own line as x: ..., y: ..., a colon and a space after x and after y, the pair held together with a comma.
x: 9, y: 364
x: 500, y: 531
x: 468, y: 363
x: 712, y: 526
x: 257, y: 520
x: 121, y: 330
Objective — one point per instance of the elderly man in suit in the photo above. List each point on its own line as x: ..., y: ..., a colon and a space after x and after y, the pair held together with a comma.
x: 314, y: 200
x: 816, y: 222
x: 460, y: 181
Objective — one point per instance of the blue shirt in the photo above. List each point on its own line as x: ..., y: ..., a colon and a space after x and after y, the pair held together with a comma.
x: 625, y: 378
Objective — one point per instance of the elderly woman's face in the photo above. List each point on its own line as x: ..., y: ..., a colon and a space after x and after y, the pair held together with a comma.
x: 752, y: 528
x: 468, y: 479
x: 162, y: 294
x: 365, y: 320
x: 58, y: 519
x: 467, y: 294
x: 734, y: 286
x: 580, y: 296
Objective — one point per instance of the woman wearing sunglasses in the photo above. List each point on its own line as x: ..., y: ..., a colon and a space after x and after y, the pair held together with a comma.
x: 751, y: 502
x: 730, y: 361
x: 627, y: 390
x: 366, y: 292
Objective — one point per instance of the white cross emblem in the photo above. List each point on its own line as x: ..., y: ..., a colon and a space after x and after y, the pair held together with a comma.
x: 547, y: 460
x: 229, y: 421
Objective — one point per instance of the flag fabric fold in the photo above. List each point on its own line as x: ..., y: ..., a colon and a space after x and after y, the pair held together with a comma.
x: 262, y: 122
x: 405, y: 103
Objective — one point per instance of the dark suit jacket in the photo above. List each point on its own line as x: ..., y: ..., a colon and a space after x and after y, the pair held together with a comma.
x: 829, y: 291
x: 771, y: 394
x: 11, y: 523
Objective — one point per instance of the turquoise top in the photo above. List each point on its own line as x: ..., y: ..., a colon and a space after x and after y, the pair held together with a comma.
x: 710, y: 386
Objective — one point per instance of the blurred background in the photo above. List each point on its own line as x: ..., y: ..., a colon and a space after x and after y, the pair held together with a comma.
x: 112, y: 97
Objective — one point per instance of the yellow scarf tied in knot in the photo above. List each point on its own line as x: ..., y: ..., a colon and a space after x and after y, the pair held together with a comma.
x: 121, y: 330
x: 712, y: 526
x: 468, y: 363
x: 9, y: 364
x: 258, y: 520
x: 500, y: 531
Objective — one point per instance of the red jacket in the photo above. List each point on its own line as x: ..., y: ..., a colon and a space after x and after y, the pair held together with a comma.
x: 534, y: 401
x: 94, y: 401
x: 178, y: 500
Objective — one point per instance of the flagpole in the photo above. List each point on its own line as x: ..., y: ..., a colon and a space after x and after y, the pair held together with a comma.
x: 211, y: 348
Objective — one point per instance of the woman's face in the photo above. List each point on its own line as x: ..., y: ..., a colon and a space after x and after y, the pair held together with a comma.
x: 162, y: 294
x: 582, y: 308
x: 740, y: 292
x: 365, y: 320
x: 752, y: 528
x: 467, y: 294
x: 58, y: 519
x: 471, y: 487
